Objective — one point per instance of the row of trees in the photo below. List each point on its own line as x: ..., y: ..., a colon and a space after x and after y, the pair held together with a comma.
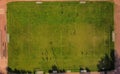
x: 16, y: 71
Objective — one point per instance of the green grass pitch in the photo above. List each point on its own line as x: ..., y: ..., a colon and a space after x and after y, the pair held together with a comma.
x: 67, y: 34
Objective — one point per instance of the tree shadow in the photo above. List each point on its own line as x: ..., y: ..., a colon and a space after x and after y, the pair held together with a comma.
x: 107, y: 63
x: 56, y: 70
x: 16, y: 71
x: 86, y: 69
x: 81, y: 68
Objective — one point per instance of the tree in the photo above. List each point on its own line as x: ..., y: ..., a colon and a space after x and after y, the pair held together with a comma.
x: 105, y: 63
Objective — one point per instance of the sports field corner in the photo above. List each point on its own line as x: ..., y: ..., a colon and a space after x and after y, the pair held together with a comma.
x: 61, y: 38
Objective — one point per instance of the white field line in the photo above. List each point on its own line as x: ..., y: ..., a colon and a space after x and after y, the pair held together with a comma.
x: 8, y: 39
x: 113, y: 36
x: 38, y: 2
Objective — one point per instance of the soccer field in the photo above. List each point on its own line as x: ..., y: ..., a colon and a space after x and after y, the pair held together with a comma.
x: 69, y: 35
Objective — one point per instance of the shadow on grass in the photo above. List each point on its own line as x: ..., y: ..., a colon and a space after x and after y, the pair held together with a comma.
x: 56, y: 70
x: 16, y: 71
x: 107, y: 63
x: 86, y: 69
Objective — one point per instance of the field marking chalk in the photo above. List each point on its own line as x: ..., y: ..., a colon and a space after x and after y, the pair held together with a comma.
x: 39, y: 2
x: 113, y: 36
x: 8, y: 38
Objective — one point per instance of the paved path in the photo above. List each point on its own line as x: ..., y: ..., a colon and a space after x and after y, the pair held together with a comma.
x: 3, y: 44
